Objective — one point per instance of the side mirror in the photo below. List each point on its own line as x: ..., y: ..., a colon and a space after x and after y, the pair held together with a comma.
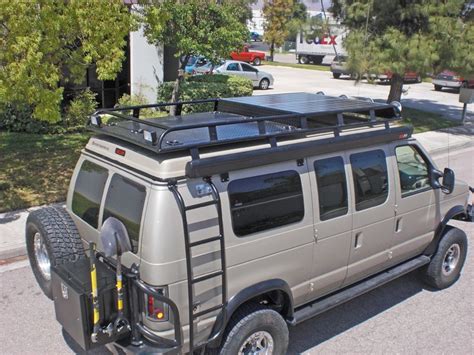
x: 447, y: 186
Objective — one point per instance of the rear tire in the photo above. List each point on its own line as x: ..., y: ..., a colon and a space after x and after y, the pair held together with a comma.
x: 303, y: 59
x: 437, y: 87
x: 336, y: 75
x: 447, y: 262
x: 264, y: 84
x: 255, y: 327
x: 51, y: 239
x: 257, y: 62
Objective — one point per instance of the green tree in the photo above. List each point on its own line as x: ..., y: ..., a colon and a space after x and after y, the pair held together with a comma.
x: 424, y: 36
x: 277, y: 15
x: 299, y: 18
x: 195, y: 27
x: 42, y: 40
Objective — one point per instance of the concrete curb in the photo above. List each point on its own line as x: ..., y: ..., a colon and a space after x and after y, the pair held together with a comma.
x: 18, y: 247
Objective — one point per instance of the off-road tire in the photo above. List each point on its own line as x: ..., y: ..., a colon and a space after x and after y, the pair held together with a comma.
x: 257, y: 61
x: 250, y: 319
x: 433, y: 273
x: 60, y: 236
x: 336, y: 75
x: 264, y: 84
x: 438, y: 87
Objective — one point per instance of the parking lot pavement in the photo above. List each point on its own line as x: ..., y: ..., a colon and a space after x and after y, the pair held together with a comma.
x: 418, y: 95
x: 402, y: 317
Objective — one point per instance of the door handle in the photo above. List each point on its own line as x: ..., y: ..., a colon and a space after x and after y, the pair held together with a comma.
x: 398, y: 225
x: 358, y: 240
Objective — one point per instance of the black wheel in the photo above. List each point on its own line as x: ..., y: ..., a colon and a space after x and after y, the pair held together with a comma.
x: 437, y: 87
x: 257, y: 62
x: 256, y: 330
x: 51, y: 239
x: 464, y: 84
x: 303, y: 59
x: 336, y: 75
x: 264, y: 84
x: 446, y: 264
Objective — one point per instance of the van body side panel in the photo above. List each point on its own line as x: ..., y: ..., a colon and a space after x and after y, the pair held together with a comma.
x: 331, y: 251
x: 372, y: 229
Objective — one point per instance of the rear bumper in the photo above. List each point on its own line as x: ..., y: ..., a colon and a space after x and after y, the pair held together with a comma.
x: 447, y: 83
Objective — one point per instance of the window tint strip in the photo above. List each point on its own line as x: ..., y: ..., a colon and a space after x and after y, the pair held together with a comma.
x: 332, y: 188
x: 88, y: 190
x: 369, y: 172
x: 125, y: 201
x: 267, y: 201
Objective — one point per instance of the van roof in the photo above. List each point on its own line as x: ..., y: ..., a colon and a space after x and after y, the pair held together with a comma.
x: 277, y: 127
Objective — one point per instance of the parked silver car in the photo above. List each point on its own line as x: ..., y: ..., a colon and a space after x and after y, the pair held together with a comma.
x: 260, y: 79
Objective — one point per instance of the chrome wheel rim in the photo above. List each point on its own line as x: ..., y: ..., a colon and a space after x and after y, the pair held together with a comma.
x: 451, y: 259
x: 41, y: 256
x: 264, y: 84
x: 259, y: 343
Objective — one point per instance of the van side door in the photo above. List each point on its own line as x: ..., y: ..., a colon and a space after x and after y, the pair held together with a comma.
x: 329, y: 177
x: 416, y: 200
x: 373, y: 212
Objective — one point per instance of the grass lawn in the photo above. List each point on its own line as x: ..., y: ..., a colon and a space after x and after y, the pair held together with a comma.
x: 299, y: 66
x: 35, y: 169
x: 423, y: 121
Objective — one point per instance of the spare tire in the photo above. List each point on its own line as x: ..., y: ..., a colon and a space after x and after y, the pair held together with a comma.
x: 51, y: 239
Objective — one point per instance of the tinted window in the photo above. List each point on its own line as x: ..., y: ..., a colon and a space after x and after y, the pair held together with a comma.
x: 88, y: 192
x: 125, y: 200
x: 266, y: 201
x: 233, y: 67
x: 332, y: 187
x: 369, y: 171
x: 413, y: 170
x: 249, y: 68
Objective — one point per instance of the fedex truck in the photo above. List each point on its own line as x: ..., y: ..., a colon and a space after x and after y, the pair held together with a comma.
x: 312, y: 48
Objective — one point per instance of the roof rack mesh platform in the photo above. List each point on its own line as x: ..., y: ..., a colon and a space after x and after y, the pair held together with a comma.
x: 270, y: 118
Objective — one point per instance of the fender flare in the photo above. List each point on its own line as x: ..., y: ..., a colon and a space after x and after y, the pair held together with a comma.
x: 455, y: 211
x: 245, y: 295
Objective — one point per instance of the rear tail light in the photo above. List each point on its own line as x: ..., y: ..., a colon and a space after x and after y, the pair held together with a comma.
x: 156, y: 310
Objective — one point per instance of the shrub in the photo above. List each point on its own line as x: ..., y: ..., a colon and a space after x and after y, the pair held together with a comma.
x: 206, y: 87
x: 18, y: 118
x: 79, y: 109
x: 135, y: 100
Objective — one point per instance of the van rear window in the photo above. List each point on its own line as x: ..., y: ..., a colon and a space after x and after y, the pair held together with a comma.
x: 88, y: 192
x: 267, y: 201
x: 125, y: 201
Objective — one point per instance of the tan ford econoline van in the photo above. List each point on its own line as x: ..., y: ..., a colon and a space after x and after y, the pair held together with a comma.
x: 215, y: 231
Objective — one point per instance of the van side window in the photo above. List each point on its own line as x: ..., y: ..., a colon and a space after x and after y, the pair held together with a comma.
x: 267, y: 201
x: 88, y: 190
x: 332, y: 187
x: 369, y: 171
x: 125, y: 201
x: 413, y: 170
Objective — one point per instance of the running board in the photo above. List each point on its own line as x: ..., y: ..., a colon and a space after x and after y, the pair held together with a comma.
x: 322, y: 305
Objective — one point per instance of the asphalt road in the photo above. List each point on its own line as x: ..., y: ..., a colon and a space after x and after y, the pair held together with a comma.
x: 418, y: 95
x: 403, y: 316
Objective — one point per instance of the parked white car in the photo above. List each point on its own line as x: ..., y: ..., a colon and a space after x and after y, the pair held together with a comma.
x: 260, y: 79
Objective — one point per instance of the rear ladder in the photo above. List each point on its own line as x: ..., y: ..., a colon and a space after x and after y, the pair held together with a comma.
x: 189, y: 245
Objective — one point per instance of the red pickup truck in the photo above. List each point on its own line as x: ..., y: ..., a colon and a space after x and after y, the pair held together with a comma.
x: 245, y: 55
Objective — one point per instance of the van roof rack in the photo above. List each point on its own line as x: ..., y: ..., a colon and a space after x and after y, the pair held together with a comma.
x: 269, y: 118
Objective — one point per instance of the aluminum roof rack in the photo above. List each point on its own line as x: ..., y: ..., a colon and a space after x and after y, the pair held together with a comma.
x: 269, y: 118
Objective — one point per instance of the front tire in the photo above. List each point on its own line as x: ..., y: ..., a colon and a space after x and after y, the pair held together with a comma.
x: 447, y: 262
x: 264, y: 84
x: 336, y: 75
x: 51, y: 239
x: 255, y: 329
x: 257, y: 62
x: 303, y: 59
x: 437, y: 87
